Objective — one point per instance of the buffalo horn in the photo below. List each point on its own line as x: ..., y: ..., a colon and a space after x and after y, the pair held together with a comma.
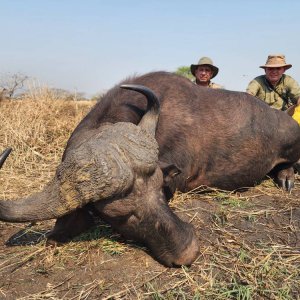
x: 149, y: 120
x: 4, y: 156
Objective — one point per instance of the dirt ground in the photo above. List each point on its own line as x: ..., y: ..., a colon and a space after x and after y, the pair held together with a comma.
x: 250, y: 244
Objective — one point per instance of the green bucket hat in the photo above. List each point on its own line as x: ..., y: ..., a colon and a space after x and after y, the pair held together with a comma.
x: 205, y: 61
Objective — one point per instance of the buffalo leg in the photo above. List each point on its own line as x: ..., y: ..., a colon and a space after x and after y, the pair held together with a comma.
x: 71, y: 225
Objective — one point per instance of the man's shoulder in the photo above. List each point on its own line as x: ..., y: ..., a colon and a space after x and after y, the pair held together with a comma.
x: 256, y: 82
x: 289, y: 79
x: 290, y: 84
x: 256, y: 85
x: 260, y: 79
x: 216, y: 86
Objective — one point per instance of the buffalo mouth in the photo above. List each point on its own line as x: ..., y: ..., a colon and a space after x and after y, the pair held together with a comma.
x: 174, y: 248
x: 188, y: 255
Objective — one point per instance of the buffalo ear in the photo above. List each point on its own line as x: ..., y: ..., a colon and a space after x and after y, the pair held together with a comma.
x: 169, y: 171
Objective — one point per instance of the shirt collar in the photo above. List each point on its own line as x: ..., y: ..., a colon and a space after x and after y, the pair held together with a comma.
x: 270, y: 86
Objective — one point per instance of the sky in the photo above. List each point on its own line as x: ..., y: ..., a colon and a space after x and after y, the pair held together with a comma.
x: 89, y: 46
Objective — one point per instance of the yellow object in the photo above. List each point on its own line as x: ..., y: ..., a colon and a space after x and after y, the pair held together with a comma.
x: 296, y: 115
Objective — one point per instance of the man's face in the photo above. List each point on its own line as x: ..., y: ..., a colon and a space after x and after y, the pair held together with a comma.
x: 204, y: 73
x: 274, y: 74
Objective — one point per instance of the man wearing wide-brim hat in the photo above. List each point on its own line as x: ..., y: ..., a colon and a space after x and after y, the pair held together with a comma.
x: 275, y: 88
x: 204, y: 71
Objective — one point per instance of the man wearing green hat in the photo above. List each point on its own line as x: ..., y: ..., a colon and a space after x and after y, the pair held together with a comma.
x: 204, y: 71
x: 275, y: 88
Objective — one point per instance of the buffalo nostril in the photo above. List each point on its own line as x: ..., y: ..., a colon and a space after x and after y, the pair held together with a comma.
x: 189, y: 255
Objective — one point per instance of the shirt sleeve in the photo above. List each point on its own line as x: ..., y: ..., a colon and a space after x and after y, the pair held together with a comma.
x: 253, y: 88
x: 294, y: 90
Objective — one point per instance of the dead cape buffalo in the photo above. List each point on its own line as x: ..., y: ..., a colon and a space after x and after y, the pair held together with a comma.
x: 216, y: 138
x: 114, y: 167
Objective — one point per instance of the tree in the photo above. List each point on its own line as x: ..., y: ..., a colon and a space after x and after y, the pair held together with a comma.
x: 62, y: 94
x: 11, y: 85
x: 3, y: 94
x: 185, y: 71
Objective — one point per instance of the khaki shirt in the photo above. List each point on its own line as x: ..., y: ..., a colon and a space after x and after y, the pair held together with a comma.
x: 213, y: 85
x: 286, y: 88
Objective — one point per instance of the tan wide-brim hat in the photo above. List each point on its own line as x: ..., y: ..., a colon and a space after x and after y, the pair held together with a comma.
x: 276, y: 61
x: 205, y: 61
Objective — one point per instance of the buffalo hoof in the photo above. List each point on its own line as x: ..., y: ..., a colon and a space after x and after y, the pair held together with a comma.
x: 52, y: 243
x: 285, y: 179
x: 290, y: 185
x: 286, y: 185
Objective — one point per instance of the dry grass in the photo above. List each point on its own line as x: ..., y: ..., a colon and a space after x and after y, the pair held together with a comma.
x: 249, y: 240
x: 37, y: 128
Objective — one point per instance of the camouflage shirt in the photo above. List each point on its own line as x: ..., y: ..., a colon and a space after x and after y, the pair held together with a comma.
x: 283, y: 95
